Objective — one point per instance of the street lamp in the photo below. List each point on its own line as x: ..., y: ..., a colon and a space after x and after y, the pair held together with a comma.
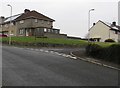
x: 89, y: 23
x: 10, y: 23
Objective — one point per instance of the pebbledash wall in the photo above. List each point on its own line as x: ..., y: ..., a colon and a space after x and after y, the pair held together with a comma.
x: 30, y: 23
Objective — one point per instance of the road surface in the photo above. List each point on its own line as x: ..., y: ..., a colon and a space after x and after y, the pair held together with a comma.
x: 26, y: 67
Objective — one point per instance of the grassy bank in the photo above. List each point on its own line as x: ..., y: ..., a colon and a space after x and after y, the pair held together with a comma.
x: 32, y: 39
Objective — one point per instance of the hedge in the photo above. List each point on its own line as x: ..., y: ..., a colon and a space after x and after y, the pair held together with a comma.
x: 111, y: 53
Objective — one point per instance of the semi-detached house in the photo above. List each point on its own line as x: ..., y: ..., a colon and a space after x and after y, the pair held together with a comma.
x: 29, y: 23
x: 102, y: 31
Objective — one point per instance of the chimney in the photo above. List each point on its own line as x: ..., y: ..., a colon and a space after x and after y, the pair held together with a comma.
x: 26, y: 10
x: 114, y: 23
x: 93, y: 24
x: 2, y: 19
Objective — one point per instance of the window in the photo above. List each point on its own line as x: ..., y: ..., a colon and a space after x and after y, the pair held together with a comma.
x: 36, y: 20
x: 113, y: 39
x: 49, y: 30
x: 118, y: 32
x: 56, y: 31
x: 45, y: 30
x: 11, y: 32
x: 42, y: 21
x: 22, y: 21
x: 48, y: 22
x: 21, y: 31
x: 6, y: 25
x: 12, y: 24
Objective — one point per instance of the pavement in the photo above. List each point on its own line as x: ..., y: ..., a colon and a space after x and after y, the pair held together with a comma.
x: 41, y: 67
x: 81, y: 55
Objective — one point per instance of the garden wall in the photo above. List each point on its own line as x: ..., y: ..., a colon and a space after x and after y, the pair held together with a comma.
x: 43, y: 44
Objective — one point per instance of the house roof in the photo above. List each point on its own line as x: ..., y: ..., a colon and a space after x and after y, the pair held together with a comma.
x: 111, y: 26
x: 114, y: 27
x: 29, y: 14
x: 33, y: 14
x: 11, y: 18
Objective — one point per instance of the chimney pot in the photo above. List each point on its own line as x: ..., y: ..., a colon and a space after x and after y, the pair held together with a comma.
x: 114, y: 23
x: 2, y: 17
x: 26, y: 10
x: 93, y: 24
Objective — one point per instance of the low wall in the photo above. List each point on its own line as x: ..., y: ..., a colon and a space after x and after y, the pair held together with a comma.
x: 56, y: 35
x: 42, y: 44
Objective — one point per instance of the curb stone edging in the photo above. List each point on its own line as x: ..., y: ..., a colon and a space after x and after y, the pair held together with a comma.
x: 94, y: 62
x: 76, y: 57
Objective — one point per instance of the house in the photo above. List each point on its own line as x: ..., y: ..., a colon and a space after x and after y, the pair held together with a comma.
x: 102, y: 31
x: 29, y: 23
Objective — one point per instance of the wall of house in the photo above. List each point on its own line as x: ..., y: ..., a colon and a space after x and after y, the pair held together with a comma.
x: 119, y: 37
x: 34, y: 23
x: 8, y: 27
x: 113, y: 36
x: 25, y: 24
x: 41, y: 23
x: 0, y: 28
x: 100, y: 30
x: 103, y: 31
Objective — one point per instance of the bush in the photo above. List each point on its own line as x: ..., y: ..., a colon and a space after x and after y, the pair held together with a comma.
x: 110, y: 53
x: 93, y: 50
x: 109, y: 40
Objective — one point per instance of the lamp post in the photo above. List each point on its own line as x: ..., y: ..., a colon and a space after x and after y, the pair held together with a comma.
x: 10, y: 23
x: 89, y: 23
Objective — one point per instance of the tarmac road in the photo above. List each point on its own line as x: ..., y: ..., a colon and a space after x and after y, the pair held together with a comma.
x: 25, y: 67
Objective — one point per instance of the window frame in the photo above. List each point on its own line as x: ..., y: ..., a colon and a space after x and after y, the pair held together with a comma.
x: 21, y: 21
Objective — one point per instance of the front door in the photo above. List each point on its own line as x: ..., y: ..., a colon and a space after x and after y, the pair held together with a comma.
x: 26, y: 32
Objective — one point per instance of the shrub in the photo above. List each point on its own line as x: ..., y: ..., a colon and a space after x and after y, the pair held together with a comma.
x: 109, y: 40
x: 93, y: 50
x: 111, y: 53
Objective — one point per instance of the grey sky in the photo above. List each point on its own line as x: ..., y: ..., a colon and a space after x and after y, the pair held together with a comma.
x: 71, y: 15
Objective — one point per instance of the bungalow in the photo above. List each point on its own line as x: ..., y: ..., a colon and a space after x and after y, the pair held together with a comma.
x: 102, y: 31
x: 29, y: 23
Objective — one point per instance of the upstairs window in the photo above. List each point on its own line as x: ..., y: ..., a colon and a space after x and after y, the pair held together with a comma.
x: 6, y: 25
x: 36, y: 20
x: 42, y: 21
x: 48, y: 22
x: 22, y: 21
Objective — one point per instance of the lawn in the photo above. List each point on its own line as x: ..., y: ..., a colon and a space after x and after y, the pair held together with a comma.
x: 32, y: 39
x: 105, y: 44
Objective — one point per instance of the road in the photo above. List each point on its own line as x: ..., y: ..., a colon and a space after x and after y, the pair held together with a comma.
x: 26, y: 67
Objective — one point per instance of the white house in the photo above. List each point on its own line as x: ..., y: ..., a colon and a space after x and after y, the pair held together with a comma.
x: 102, y: 31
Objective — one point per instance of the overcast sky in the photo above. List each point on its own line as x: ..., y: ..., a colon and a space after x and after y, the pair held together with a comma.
x: 71, y: 15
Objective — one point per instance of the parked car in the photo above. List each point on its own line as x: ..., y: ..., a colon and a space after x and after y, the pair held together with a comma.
x: 3, y: 35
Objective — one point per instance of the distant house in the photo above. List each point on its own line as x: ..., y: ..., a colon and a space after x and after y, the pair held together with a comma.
x: 102, y: 31
x: 29, y: 23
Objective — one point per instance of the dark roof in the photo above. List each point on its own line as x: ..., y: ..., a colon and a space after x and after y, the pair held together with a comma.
x: 111, y: 26
x: 7, y: 20
x: 33, y: 14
